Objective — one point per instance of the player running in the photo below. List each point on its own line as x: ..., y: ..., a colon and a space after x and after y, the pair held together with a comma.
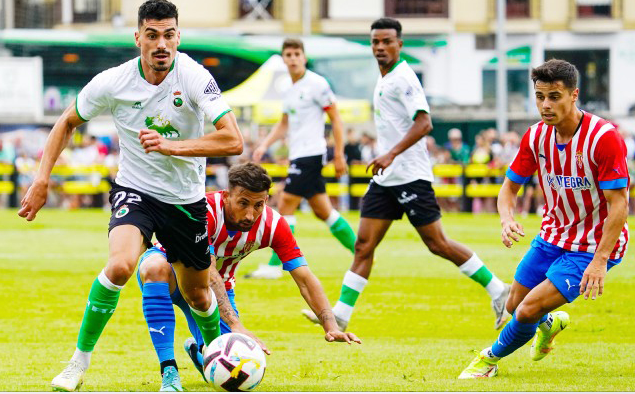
x: 402, y: 181
x: 303, y: 121
x: 159, y: 101
x: 581, y: 164
x: 239, y: 222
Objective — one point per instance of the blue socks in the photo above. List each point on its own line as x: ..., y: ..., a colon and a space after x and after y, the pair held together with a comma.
x: 159, y: 314
x: 513, y: 336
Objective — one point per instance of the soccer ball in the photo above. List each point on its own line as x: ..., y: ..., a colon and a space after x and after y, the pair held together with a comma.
x: 234, y: 362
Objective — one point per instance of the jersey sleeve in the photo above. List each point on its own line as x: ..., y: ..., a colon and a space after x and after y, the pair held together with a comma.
x: 286, y: 248
x: 324, y: 96
x: 205, y: 93
x: 610, y: 156
x: 94, y: 98
x: 412, y: 96
x: 524, y: 164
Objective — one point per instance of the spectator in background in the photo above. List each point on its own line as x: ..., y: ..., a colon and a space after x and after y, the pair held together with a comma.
x: 493, y: 141
x: 459, y: 151
x: 482, y: 153
x: 510, y: 143
x: 268, y: 157
x: 352, y: 149
x: 7, y: 152
x: 369, y: 148
x: 87, y: 152
x: 433, y: 148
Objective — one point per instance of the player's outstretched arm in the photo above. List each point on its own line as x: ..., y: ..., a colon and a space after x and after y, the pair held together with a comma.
x: 226, y: 141
x: 278, y: 131
x: 506, y: 207
x: 225, y: 307
x: 421, y: 127
x: 313, y: 294
x: 338, y: 135
x: 57, y: 140
x: 593, y: 279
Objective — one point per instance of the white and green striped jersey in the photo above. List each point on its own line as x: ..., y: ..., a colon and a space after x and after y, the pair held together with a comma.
x: 176, y: 108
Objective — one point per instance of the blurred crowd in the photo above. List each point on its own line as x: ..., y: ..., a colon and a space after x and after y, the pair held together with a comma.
x: 23, y: 150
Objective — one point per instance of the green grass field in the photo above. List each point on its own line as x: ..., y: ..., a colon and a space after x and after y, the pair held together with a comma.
x: 419, y: 318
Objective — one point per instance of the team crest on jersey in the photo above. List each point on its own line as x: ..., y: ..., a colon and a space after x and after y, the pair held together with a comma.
x: 578, y: 159
x: 123, y: 211
x: 178, y: 101
x: 249, y: 247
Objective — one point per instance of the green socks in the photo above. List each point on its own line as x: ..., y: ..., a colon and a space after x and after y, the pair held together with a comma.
x: 352, y: 286
x: 341, y: 230
x: 209, y: 321
x: 275, y: 260
x: 478, y: 272
x: 102, y: 301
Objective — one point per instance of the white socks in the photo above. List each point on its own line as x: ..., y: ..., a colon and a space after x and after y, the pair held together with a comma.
x: 83, y: 358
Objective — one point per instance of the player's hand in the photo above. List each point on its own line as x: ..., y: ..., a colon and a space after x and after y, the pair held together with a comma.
x: 592, y: 282
x: 380, y: 163
x: 33, y: 200
x: 258, y: 154
x: 340, y: 165
x: 152, y: 141
x: 243, y: 330
x: 511, y: 230
x: 339, y: 336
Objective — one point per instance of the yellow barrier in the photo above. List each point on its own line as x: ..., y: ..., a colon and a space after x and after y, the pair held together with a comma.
x: 6, y: 187
x: 280, y: 171
x: 359, y: 171
x: 83, y: 187
x: 6, y: 169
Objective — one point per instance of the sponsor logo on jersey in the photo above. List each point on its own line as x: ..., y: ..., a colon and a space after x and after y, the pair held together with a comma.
x: 162, y: 126
x: 137, y: 105
x: 123, y: 211
x: 568, y: 182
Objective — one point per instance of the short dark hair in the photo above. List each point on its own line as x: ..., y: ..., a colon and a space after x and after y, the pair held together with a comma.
x: 250, y: 176
x: 556, y: 70
x: 387, y: 23
x: 294, y: 43
x: 157, y: 10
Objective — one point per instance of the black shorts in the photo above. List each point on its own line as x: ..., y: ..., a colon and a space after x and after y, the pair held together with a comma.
x: 181, y: 229
x: 416, y: 199
x: 305, y: 177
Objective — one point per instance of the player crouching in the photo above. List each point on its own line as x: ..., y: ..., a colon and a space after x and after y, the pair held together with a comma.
x: 238, y: 222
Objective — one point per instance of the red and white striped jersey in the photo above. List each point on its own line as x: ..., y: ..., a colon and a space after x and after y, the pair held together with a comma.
x: 269, y: 230
x: 572, y: 181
